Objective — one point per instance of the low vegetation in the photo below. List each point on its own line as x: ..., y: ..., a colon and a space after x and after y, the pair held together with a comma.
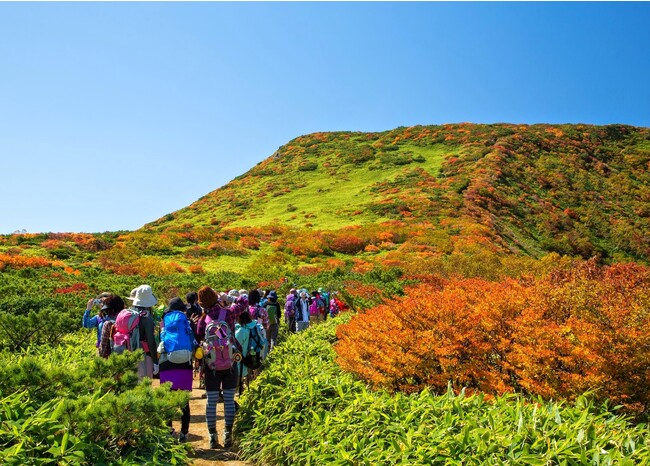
x: 304, y: 409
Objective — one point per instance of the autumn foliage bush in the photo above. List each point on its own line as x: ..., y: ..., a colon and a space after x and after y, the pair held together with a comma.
x: 571, y: 331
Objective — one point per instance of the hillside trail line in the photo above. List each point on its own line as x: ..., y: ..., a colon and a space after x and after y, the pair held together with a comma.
x: 198, y: 435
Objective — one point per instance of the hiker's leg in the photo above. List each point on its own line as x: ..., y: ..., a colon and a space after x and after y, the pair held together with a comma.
x: 211, y: 410
x: 185, y: 419
x: 229, y: 406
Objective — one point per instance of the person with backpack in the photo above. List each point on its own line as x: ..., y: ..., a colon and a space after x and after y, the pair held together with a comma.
x: 316, y: 308
x: 250, y: 336
x: 290, y: 310
x: 273, y: 313
x: 335, y: 307
x: 325, y: 298
x: 134, y: 329
x: 221, y: 375
x: 176, y: 346
x: 259, y: 314
x: 113, y: 304
x: 302, y: 312
x: 239, y: 306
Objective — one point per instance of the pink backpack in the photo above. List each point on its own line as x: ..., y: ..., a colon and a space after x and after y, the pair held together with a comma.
x: 218, y: 354
x: 313, y: 308
x: 126, y: 334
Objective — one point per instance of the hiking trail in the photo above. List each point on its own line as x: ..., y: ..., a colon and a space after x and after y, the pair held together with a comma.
x: 198, y: 435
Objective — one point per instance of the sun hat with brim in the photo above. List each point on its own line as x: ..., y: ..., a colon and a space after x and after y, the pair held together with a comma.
x: 142, y: 296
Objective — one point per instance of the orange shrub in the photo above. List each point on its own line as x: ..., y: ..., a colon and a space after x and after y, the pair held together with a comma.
x: 557, y: 336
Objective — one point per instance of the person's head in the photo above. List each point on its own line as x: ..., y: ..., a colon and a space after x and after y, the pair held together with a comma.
x: 207, y: 297
x: 176, y: 304
x: 113, y: 304
x: 222, y: 299
x: 303, y: 294
x: 273, y: 296
x: 245, y: 318
x: 143, y: 297
x: 191, y: 297
x: 254, y: 297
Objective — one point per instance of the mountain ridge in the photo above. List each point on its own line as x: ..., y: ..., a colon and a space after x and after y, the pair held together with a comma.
x: 497, y: 176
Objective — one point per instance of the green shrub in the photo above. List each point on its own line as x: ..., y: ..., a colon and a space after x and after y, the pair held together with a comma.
x: 64, y: 405
x: 304, y: 410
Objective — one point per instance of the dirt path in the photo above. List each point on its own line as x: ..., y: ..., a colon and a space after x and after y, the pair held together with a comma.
x: 198, y: 436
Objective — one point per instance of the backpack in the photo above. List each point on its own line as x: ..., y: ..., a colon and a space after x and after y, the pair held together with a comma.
x: 176, y: 339
x: 253, y: 358
x: 126, y: 335
x: 273, y: 310
x: 314, y: 308
x: 334, y: 308
x: 217, y: 348
x: 254, y: 310
x: 290, y: 306
x: 109, y: 325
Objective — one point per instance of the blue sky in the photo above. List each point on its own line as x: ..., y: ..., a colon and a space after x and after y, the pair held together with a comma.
x: 115, y: 114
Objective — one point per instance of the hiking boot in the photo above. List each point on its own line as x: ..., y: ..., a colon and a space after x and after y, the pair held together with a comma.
x: 213, y: 441
x: 182, y: 438
x: 227, y: 440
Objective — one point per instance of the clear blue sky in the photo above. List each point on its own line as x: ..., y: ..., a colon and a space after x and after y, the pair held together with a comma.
x: 115, y: 114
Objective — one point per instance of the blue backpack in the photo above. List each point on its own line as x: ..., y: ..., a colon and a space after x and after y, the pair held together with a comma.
x: 176, y: 338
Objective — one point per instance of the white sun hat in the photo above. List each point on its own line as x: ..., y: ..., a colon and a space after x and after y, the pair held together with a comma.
x: 142, y: 296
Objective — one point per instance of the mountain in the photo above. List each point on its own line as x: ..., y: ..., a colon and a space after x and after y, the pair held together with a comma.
x: 528, y: 189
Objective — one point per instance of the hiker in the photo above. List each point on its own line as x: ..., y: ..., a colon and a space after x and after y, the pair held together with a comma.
x: 314, y: 308
x: 176, y: 346
x: 95, y: 321
x: 250, y: 336
x: 239, y: 305
x: 192, y: 309
x: 335, y: 307
x: 209, y: 302
x: 264, y: 297
x: 220, y: 373
x: 325, y: 297
x: 273, y: 314
x: 302, y: 312
x: 143, y: 300
x: 290, y: 310
x: 113, y: 304
x: 256, y: 311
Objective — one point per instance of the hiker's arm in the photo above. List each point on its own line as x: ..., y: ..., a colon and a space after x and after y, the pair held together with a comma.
x: 151, y: 340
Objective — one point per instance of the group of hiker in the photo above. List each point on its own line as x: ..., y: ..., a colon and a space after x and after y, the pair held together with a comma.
x: 219, y: 337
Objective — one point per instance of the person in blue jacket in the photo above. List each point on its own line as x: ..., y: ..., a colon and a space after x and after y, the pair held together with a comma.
x: 95, y: 321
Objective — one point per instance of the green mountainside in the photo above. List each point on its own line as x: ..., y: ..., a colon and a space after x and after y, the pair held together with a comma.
x: 443, y: 199
x: 572, y: 189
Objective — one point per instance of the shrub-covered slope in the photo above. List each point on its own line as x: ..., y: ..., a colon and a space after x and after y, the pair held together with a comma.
x: 573, y: 189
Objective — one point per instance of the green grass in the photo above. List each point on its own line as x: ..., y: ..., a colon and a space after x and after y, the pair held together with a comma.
x: 329, y: 202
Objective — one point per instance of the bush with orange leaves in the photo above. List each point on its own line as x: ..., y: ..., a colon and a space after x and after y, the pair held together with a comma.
x: 572, y: 331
